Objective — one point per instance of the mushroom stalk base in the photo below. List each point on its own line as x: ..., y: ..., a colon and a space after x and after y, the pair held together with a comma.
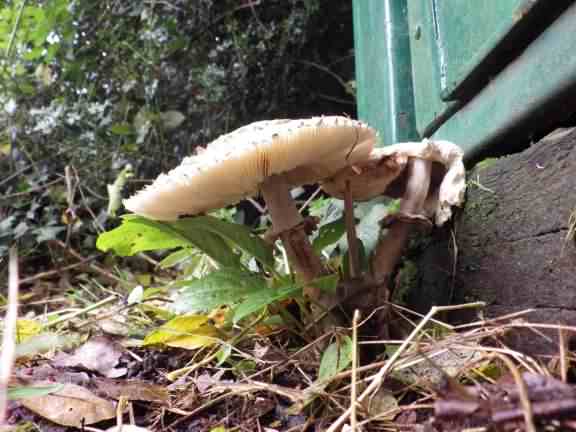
x: 390, y: 247
x: 288, y: 223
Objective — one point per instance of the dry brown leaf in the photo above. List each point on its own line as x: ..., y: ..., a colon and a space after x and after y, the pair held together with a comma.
x: 71, y: 406
x: 99, y: 354
x: 127, y: 428
x: 132, y: 390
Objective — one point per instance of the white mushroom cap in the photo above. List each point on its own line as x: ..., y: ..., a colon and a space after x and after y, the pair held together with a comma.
x: 384, y: 166
x: 234, y: 165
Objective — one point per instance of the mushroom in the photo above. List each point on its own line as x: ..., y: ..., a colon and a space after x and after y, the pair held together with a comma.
x: 429, y: 177
x: 384, y: 173
x: 269, y: 157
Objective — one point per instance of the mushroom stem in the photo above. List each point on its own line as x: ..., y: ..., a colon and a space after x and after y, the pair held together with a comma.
x: 390, y: 247
x: 289, y: 224
x: 353, y: 252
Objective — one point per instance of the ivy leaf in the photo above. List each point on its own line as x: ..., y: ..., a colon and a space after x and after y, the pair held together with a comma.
x: 48, y: 233
x: 138, y: 234
x: 221, y: 287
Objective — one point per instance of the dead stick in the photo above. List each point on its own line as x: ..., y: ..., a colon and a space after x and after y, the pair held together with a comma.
x: 353, y: 253
x: 93, y: 267
x: 9, y: 337
x: 49, y: 273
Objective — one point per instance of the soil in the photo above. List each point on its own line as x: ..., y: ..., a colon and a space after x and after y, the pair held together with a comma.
x: 509, y: 246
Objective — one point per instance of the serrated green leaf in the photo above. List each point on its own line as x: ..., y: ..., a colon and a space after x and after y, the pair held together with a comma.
x: 138, y: 234
x: 221, y: 287
x: 329, y: 234
x: 336, y: 358
x: 239, y: 235
x: 15, y: 393
x: 260, y: 299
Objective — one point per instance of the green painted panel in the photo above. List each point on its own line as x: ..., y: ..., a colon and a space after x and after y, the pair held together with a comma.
x: 539, y: 86
x: 383, y: 68
x: 469, y: 31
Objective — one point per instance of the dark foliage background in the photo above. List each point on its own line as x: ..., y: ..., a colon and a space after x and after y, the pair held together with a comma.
x: 89, y: 88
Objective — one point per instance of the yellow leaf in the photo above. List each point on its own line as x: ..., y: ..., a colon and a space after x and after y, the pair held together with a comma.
x: 26, y: 328
x: 189, y: 332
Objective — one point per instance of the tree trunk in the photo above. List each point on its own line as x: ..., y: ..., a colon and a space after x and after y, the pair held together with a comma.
x: 511, y: 247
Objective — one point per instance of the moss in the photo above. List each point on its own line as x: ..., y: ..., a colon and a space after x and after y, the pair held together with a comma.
x: 407, y: 281
x: 480, y: 206
x: 485, y: 163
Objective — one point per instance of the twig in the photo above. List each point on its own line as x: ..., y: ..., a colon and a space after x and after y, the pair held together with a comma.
x: 49, y: 273
x: 93, y: 267
x: 326, y: 70
x: 353, y: 252
x: 31, y: 190
x: 378, y: 379
x: 16, y: 174
x: 563, y: 355
x: 256, y: 205
x: 522, y: 393
x: 85, y: 310
x: 8, y: 339
x: 310, y: 199
x: 8, y: 52
x: 354, y: 378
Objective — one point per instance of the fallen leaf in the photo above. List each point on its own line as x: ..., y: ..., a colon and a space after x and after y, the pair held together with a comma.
x: 127, y: 428
x: 24, y: 392
x: 205, y: 381
x: 188, y: 332
x: 25, y: 329
x: 99, y: 354
x: 71, y: 406
x: 132, y: 390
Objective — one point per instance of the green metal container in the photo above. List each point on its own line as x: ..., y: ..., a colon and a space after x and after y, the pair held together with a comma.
x: 480, y: 73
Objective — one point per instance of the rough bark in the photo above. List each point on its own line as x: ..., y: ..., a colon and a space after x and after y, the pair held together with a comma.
x: 511, y: 249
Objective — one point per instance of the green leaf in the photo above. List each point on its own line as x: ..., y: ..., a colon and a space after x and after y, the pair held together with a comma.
x: 327, y: 283
x: 260, y: 299
x: 239, y: 235
x: 122, y: 129
x: 362, y: 259
x: 329, y: 234
x: 48, y: 233
x: 222, y: 287
x: 172, y: 119
x: 138, y: 234
x: 176, y: 258
x: 368, y: 229
x: 30, y: 392
x: 336, y: 358
x: 223, y: 354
